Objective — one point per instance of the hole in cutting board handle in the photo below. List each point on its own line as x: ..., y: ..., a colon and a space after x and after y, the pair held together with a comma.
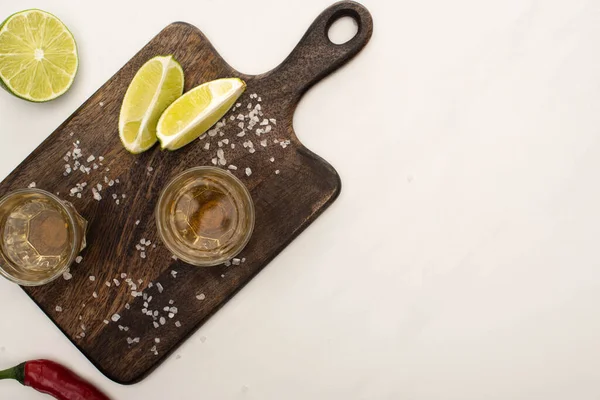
x: 343, y: 26
x: 342, y: 29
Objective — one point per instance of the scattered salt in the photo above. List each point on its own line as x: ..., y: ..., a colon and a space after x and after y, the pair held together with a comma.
x: 115, y: 317
x: 78, y: 259
x: 178, y: 324
x: 58, y: 309
x: 201, y: 296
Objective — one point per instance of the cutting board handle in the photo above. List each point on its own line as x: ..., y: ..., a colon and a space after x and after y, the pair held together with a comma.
x: 316, y: 56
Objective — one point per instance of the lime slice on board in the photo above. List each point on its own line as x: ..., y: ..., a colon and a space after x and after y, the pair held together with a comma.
x: 38, y: 56
x: 155, y: 86
x: 196, y: 111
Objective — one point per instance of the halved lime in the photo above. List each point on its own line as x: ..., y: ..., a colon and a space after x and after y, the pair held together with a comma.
x: 196, y: 111
x: 38, y: 56
x: 155, y: 86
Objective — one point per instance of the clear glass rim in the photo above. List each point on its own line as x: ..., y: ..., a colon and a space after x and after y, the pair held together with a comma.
x: 74, y: 243
x: 161, y: 225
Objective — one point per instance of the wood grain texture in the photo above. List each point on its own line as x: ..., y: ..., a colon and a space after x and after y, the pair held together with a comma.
x: 286, y: 202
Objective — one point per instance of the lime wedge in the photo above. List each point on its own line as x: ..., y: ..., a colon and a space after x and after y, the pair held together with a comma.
x: 196, y: 111
x: 38, y: 56
x: 155, y: 86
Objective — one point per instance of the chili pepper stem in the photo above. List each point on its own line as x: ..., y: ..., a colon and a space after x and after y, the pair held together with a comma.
x: 17, y: 373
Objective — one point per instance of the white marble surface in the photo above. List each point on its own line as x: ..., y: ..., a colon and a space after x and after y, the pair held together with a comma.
x: 461, y: 260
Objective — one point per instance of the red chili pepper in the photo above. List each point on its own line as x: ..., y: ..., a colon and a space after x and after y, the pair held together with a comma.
x: 51, y: 378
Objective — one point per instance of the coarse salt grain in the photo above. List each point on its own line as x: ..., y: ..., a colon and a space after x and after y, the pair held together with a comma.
x: 95, y: 295
x: 276, y: 172
x: 92, y: 278
x: 137, y: 222
x: 248, y: 171
x: 178, y: 324
x: 115, y: 317
x: 58, y: 309
x: 78, y: 259
x: 105, y: 321
x: 67, y: 275
x: 201, y: 296
x: 162, y: 320
x: 160, y: 287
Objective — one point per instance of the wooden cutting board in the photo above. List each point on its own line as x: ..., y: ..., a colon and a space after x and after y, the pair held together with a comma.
x: 129, y: 304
